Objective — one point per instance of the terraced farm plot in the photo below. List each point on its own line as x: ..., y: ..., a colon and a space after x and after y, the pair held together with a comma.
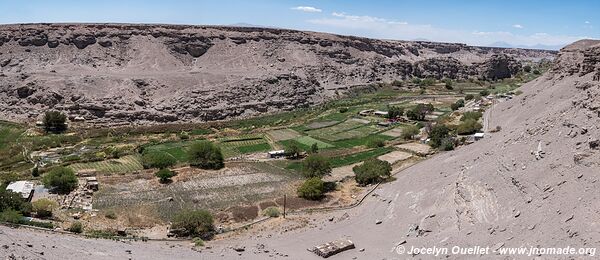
x: 233, y: 147
x: 394, y: 132
x: 330, y: 133
x: 283, y: 134
x: 176, y: 149
x: 237, y: 184
x: 321, y: 124
x: 125, y: 164
x: 309, y: 141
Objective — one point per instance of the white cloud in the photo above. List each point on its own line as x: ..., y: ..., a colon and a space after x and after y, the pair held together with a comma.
x: 377, y: 27
x: 307, y: 9
x: 518, y: 26
x: 587, y: 22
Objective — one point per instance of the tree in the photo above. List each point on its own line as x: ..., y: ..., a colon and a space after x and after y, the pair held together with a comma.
x: 527, y: 68
x: 372, y: 171
x: 312, y: 189
x: 44, y: 207
x: 206, y: 155
x: 315, y: 166
x: 437, y: 134
x: 157, y: 159
x: 293, y: 151
x: 343, y: 109
x: 471, y: 115
x: 469, y: 126
x: 54, y: 121
x: 164, y: 175
x: 447, y: 144
x: 448, y: 84
x: 458, y: 104
x: 61, y: 180
x: 536, y: 72
x: 189, y: 222
x: 314, y: 148
x: 395, y: 112
x: 409, y: 132
x: 420, y: 111
x: 10, y: 200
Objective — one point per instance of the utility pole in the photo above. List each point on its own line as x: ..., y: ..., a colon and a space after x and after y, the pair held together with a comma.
x: 284, y: 202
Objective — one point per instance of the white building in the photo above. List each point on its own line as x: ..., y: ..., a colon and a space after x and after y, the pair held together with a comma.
x: 25, y: 188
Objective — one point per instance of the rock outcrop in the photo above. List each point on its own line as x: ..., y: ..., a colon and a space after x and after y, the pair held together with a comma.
x: 116, y: 73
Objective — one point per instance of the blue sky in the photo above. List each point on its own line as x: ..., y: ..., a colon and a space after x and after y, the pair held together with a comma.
x: 483, y: 22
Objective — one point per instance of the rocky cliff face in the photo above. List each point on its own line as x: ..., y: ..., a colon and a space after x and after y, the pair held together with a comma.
x: 110, y: 73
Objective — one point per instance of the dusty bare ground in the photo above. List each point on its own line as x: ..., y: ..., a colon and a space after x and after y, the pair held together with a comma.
x: 417, y: 148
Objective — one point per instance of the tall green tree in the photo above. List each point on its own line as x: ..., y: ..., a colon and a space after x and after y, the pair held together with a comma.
x: 55, y: 121
x: 372, y: 171
x: 206, y: 155
x: 61, y: 180
x: 316, y: 166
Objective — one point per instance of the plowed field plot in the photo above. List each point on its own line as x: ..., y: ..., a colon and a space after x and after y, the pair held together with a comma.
x: 331, y: 133
x: 417, y: 148
x: 283, y: 134
x: 321, y: 124
x: 237, y: 184
x: 395, y: 156
x: 394, y: 132
x: 125, y: 164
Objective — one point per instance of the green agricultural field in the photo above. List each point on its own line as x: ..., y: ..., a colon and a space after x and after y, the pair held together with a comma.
x: 283, y: 134
x: 176, y: 149
x: 340, y: 161
x: 125, y: 164
x: 309, y: 141
x: 234, y: 146
x: 330, y: 133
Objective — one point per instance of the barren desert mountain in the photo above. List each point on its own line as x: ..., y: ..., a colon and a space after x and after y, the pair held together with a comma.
x: 124, y: 73
x: 534, y: 183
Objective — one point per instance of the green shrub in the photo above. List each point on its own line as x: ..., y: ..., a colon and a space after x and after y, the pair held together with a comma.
x: 469, y: 126
x: 447, y: 144
x: 469, y: 96
x: 11, y: 216
x: 293, y: 151
x: 343, y: 109
x: 395, y: 111
x: 471, y: 115
x: 437, y: 134
x: 10, y: 200
x: 157, y: 159
x: 189, y: 222
x: 206, y: 155
x: 61, y: 180
x: 527, y: 68
x: 164, y: 175
x: 44, y: 207
x: 198, y: 242
x: 315, y: 166
x: 312, y: 189
x: 111, y: 214
x: 372, y: 171
x: 375, y: 143
x: 76, y: 227
x: 184, y: 135
x: 484, y: 92
x: 272, y: 212
x: 409, y: 132
x: 54, y: 121
x: 419, y: 112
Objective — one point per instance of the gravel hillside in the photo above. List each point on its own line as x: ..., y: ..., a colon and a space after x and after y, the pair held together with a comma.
x: 124, y: 73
